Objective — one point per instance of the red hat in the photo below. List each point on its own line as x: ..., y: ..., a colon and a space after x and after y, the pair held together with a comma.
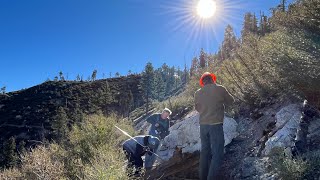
x: 214, y: 78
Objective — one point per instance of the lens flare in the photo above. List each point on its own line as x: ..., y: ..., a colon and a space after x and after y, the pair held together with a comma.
x: 200, y: 22
x: 206, y: 8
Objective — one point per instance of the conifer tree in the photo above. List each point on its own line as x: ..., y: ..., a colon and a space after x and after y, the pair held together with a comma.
x: 247, y: 24
x: 78, y: 78
x: 159, y: 90
x: 203, y: 59
x: 229, y: 44
x: 194, y: 67
x: 59, y: 124
x: 3, y: 90
x: 10, y: 157
x: 254, y: 28
x: 148, y: 83
x: 61, y: 76
x: 94, y: 75
x: 185, y: 74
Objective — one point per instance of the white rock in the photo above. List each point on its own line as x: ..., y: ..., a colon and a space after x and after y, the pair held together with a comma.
x: 287, y: 114
x: 185, y: 135
x: 287, y: 121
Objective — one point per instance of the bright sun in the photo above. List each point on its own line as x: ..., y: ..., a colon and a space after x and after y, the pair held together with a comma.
x: 206, y: 8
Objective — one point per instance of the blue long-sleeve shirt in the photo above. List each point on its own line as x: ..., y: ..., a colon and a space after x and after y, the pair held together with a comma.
x: 162, y: 130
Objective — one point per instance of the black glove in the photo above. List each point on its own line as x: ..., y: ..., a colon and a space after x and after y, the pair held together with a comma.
x: 146, y: 149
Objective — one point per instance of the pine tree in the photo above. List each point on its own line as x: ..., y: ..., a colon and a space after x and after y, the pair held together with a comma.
x: 164, y: 71
x: 159, y: 90
x: 130, y: 103
x: 117, y: 74
x: 170, y: 80
x: 61, y: 76
x: 194, y: 67
x: 266, y: 24
x: 148, y: 83
x: 78, y: 115
x: 254, y: 25
x: 109, y: 96
x: 283, y: 5
x: 185, y: 76
x: 94, y: 75
x: 124, y: 102
x: 21, y: 148
x: 78, y: 78
x: 10, y: 157
x: 229, y: 44
x: 261, y: 25
x: 59, y: 124
x: 3, y: 90
x: 203, y: 59
x: 247, y: 24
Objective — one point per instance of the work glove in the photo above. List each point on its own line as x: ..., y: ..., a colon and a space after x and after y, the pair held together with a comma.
x: 146, y: 148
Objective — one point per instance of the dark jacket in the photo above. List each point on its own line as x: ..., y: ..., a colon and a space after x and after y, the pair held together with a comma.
x: 162, y: 130
x: 134, y: 147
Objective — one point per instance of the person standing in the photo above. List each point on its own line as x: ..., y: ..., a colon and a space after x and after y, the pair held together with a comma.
x: 160, y: 124
x: 210, y: 102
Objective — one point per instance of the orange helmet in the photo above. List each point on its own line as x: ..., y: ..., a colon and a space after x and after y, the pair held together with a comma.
x: 214, y: 78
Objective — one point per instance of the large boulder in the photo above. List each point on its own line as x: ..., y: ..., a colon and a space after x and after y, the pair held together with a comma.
x: 179, y: 150
x: 185, y: 136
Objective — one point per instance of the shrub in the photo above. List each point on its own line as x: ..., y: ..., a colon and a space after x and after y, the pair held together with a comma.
x: 12, y: 173
x: 93, y: 148
x: 43, y: 163
x: 179, y: 105
x: 91, y: 152
x: 305, y: 166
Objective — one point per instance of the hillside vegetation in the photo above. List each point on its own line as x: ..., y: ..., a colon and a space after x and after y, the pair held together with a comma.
x: 276, y: 59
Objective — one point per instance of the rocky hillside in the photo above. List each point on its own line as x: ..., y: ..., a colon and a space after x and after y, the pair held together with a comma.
x: 250, y: 145
x: 27, y: 114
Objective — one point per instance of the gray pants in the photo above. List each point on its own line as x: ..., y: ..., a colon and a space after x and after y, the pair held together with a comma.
x: 212, y: 151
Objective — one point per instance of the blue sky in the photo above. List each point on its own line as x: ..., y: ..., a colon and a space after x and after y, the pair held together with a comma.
x: 38, y: 38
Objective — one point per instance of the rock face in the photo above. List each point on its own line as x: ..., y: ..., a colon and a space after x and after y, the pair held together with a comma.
x: 248, y: 144
x: 179, y: 151
x: 287, y: 122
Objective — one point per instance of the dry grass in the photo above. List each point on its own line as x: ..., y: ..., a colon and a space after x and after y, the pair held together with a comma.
x: 42, y: 163
x: 92, y: 152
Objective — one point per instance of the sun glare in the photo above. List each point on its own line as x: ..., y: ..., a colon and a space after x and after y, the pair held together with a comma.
x: 201, y: 22
x: 206, y: 8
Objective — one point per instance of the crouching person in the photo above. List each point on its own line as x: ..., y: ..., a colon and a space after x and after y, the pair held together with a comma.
x: 136, y: 148
x: 160, y: 124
